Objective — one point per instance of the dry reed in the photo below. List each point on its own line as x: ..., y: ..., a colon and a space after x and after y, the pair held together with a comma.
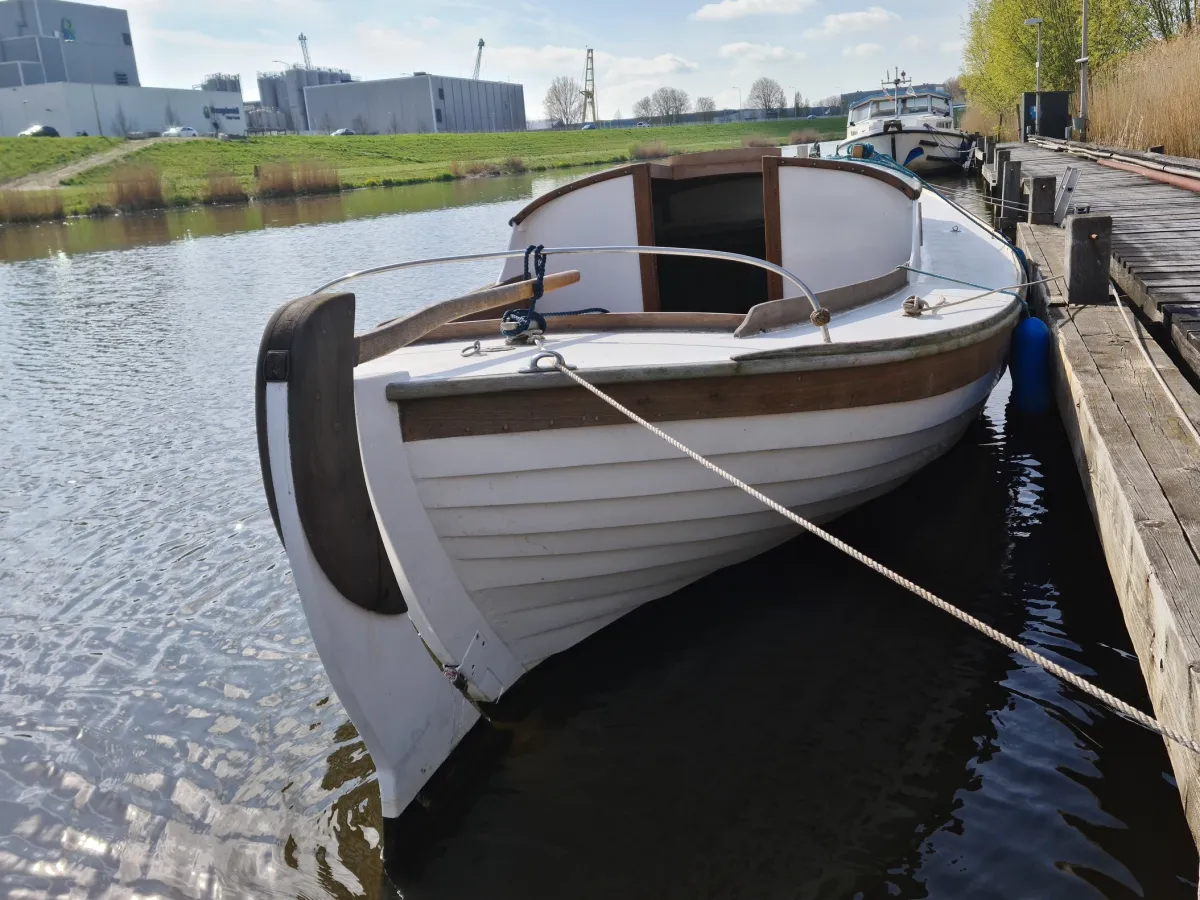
x: 758, y: 140
x: 977, y: 121
x: 30, y: 206
x: 317, y: 178
x: 514, y: 165
x: 276, y: 180
x: 1150, y: 98
x: 804, y: 136
x: 137, y: 187
x: 224, y: 188
x: 650, y: 150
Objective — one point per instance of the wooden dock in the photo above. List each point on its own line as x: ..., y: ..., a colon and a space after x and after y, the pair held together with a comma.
x: 1141, y: 472
x: 1155, y: 255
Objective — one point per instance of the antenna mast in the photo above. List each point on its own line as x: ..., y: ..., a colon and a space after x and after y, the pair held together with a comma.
x: 304, y: 51
x: 478, y: 60
x: 589, y: 88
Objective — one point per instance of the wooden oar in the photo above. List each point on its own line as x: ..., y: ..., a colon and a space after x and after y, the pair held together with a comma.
x: 402, y: 332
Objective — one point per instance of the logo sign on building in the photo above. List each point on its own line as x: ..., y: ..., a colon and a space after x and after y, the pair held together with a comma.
x: 229, y: 112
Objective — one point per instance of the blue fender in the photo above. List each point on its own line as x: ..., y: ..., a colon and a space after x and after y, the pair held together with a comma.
x: 1030, y: 366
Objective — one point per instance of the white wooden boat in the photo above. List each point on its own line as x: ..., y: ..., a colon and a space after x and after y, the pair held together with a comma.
x: 916, y: 129
x: 453, y: 518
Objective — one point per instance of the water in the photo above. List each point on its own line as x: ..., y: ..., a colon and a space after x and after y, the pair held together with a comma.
x: 794, y: 727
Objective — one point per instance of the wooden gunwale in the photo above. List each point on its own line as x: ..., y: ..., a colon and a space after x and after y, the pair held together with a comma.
x: 869, y: 383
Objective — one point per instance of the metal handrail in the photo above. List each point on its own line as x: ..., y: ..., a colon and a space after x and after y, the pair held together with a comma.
x: 548, y: 251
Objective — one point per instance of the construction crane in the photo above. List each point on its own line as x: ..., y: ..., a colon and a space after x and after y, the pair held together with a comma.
x: 478, y: 60
x: 589, y: 89
x: 304, y: 51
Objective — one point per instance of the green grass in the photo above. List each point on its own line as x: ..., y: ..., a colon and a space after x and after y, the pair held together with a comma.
x: 365, y: 161
x: 24, y: 156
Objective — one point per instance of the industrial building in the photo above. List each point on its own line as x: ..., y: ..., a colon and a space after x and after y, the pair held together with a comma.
x: 72, y: 66
x: 417, y: 104
x: 44, y: 41
x: 285, y: 91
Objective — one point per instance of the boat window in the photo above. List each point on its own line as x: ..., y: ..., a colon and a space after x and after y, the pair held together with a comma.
x: 858, y: 114
x: 883, y: 108
x: 941, y: 106
x: 719, y: 213
x: 910, y: 105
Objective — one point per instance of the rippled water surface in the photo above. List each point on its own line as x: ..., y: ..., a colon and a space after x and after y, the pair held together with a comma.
x: 794, y: 727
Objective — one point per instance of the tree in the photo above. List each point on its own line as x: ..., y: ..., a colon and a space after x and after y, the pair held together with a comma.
x: 1167, y: 18
x: 1001, y: 50
x: 706, y: 106
x: 955, y: 89
x: 642, y: 109
x: 668, y: 102
x: 564, y: 101
x: 766, y: 93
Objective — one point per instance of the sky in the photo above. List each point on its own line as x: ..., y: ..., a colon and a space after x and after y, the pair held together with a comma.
x: 816, y: 47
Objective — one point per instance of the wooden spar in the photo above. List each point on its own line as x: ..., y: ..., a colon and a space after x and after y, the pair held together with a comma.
x: 402, y: 332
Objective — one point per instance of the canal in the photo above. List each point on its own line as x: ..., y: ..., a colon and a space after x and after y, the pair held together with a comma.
x: 793, y: 727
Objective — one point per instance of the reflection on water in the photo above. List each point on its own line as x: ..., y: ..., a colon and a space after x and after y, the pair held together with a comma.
x: 794, y: 727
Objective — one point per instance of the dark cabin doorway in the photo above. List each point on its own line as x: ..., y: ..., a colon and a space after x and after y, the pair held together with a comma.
x: 723, y: 212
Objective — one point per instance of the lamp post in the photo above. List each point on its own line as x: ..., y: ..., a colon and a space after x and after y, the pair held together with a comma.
x: 1083, y: 78
x: 739, y: 90
x: 1037, y: 109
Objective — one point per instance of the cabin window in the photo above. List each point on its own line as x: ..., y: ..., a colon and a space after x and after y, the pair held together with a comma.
x: 941, y: 106
x: 883, y: 108
x: 857, y: 115
x: 719, y: 213
x: 910, y: 105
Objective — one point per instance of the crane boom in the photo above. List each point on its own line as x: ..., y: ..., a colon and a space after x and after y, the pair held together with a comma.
x: 478, y: 60
x: 304, y: 51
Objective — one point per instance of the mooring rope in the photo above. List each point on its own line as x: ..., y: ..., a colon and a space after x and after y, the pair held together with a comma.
x: 1114, y: 703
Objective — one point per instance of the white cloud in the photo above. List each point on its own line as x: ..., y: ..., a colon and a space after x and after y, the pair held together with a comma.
x: 745, y: 52
x: 850, y: 22
x: 951, y: 46
x: 913, y: 42
x: 618, y: 68
x: 736, y: 9
x: 862, y: 51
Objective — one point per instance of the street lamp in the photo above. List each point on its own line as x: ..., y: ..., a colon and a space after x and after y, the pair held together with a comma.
x: 739, y: 90
x: 1037, y: 109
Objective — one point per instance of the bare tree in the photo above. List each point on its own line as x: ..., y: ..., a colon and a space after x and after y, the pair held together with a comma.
x: 669, y: 102
x: 766, y: 93
x: 564, y: 101
x: 706, y: 106
x: 643, y: 109
x: 617, y: 116
x: 955, y: 89
x: 359, y: 124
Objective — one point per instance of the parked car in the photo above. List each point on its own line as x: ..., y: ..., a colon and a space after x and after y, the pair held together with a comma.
x: 587, y: 126
x: 39, y: 131
x: 343, y: 132
x: 642, y: 125
x: 180, y: 131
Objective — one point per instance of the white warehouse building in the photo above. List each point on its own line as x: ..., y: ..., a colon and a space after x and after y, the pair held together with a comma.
x: 72, y: 66
x: 417, y: 104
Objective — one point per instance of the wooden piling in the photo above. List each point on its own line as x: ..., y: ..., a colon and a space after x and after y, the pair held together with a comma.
x: 989, y: 150
x: 1041, y: 190
x: 1010, y: 193
x: 1088, y: 247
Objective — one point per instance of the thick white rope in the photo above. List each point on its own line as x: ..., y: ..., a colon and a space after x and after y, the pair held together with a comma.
x: 1137, y: 339
x: 1004, y: 640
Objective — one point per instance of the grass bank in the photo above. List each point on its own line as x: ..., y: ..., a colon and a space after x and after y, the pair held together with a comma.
x: 24, y: 156
x: 369, y: 161
x: 1151, y: 98
x: 206, y: 171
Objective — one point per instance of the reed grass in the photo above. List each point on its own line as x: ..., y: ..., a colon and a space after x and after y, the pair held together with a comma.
x: 137, y: 187
x: 224, y: 188
x: 514, y: 165
x: 759, y: 140
x: 648, y: 150
x: 276, y: 179
x: 804, y: 136
x: 30, y: 206
x: 282, y: 179
x: 977, y: 121
x: 1150, y: 97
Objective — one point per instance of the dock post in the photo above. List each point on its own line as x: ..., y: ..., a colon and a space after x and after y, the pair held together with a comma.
x: 1010, y: 191
x: 1041, y: 200
x: 1000, y: 158
x: 1088, y: 249
x: 989, y: 149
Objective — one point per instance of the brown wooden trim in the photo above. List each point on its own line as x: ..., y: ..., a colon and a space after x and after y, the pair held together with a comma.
x: 476, y: 329
x: 771, y: 224
x: 789, y: 311
x: 887, y: 176
x: 703, y: 398
x: 643, y: 205
x: 563, y: 190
